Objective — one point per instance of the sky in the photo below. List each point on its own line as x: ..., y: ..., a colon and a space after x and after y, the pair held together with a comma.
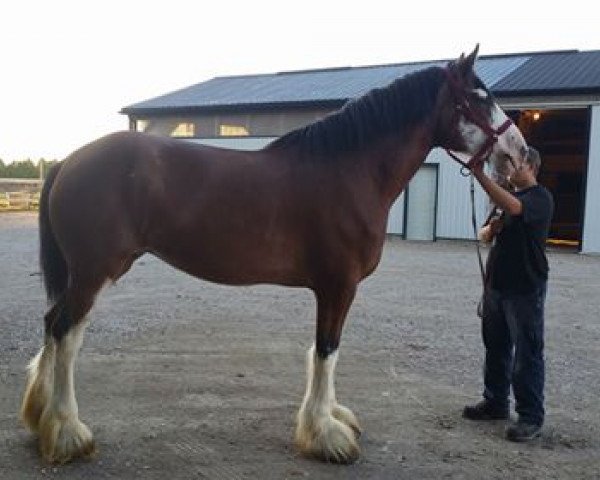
x: 67, y: 67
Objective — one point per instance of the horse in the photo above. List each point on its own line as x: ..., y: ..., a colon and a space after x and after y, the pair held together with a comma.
x: 308, y: 210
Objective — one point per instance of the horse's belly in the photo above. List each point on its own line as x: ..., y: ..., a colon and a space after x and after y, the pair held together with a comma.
x: 241, y: 262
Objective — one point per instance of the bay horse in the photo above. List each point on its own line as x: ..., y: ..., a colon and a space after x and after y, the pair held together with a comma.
x: 308, y: 210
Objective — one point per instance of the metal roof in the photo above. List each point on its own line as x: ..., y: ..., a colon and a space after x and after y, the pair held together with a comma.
x: 555, y: 72
x: 528, y: 73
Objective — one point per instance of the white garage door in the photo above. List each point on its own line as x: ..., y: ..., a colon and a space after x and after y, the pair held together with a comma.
x: 421, y: 202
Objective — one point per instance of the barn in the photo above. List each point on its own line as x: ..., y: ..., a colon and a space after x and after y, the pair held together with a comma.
x: 554, y: 97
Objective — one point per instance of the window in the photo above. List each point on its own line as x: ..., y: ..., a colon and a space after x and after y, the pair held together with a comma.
x: 183, y: 129
x: 141, y: 125
x: 228, y: 130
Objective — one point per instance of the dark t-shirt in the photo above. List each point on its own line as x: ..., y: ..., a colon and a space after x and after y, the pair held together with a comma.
x: 517, y: 261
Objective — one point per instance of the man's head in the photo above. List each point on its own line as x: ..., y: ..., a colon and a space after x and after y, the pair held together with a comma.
x: 526, y: 173
x: 533, y: 159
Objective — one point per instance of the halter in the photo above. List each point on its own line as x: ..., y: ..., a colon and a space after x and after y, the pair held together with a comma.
x: 463, y: 106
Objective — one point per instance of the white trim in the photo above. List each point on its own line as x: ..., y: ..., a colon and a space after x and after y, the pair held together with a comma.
x: 237, y: 143
x: 550, y: 103
x: 590, y: 238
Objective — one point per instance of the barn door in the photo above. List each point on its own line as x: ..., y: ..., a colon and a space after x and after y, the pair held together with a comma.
x: 421, y: 201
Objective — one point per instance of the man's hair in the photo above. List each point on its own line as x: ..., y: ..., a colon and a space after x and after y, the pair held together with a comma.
x: 534, y: 159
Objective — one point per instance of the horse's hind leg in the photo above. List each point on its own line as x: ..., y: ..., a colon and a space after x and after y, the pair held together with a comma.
x: 324, y: 428
x: 62, y: 435
x: 40, y: 377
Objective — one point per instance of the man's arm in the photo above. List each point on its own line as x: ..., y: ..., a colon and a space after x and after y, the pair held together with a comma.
x: 506, y: 201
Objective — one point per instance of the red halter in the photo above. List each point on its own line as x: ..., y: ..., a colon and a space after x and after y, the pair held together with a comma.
x: 464, y: 107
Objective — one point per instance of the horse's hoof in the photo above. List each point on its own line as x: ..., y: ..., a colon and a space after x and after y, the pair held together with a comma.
x: 345, y: 415
x: 64, y: 439
x: 330, y: 440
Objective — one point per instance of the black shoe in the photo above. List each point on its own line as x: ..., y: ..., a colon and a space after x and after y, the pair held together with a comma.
x: 485, y: 410
x: 523, y: 431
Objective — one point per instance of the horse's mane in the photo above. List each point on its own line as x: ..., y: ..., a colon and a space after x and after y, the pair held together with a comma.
x: 382, y: 111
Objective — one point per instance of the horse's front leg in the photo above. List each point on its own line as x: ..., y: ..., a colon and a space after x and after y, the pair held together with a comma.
x: 324, y: 428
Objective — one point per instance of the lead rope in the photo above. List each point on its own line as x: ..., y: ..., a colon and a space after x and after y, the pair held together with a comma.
x: 481, y: 270
x: 474, y: 221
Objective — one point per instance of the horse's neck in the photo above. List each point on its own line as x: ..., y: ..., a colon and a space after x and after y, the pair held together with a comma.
x: 393, y: 162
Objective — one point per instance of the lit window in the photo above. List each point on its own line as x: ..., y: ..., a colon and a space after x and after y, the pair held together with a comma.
x: 226, y: 130
x: 183, y: 129
x: 141, y: 125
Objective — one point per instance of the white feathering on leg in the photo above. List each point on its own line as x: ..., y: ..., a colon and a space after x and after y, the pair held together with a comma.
x: 318, y: 432
x: 62, y: 436
x: 40, y: 378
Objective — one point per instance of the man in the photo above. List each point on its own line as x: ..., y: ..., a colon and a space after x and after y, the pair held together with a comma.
x: 513, y: 306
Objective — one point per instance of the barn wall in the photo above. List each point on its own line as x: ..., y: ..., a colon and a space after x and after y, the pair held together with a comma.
x: 454, y: 200
x: 239, y: 143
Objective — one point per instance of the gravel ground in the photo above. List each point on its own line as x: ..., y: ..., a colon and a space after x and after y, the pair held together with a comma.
x: 180, y: 378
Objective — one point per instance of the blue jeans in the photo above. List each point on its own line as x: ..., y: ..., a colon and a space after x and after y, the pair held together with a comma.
x: 513, y: 335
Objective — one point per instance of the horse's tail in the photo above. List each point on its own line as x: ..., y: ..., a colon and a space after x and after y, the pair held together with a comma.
x: 52, y: 261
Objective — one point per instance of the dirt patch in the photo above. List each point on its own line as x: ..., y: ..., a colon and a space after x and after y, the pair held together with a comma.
x: 179, y: 378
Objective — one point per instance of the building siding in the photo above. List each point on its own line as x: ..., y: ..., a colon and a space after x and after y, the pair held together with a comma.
x: 238, y: 143
x: 454, y: 200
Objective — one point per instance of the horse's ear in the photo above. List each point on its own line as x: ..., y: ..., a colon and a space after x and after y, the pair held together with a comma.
x: 466, y: 64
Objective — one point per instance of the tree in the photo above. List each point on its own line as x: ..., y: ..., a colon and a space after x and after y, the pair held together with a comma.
x: 25, y: 168
x: 21, y: 169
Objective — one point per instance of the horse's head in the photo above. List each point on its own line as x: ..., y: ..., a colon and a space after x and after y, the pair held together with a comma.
x: 470, y: 122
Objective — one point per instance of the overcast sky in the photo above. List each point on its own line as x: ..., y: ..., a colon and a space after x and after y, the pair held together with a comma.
x: 68, y: 67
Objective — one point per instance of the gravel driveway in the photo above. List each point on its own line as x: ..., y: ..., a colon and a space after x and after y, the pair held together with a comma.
x: 183, y: 379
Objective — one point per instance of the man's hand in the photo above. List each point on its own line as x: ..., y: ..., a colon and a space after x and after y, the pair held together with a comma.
x: 496, y: 224
x: 491, y: 229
